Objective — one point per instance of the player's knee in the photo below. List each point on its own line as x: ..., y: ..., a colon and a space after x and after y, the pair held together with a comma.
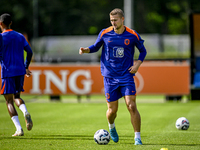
x: 132, y: 107
x: 9, y: 101
x: 112, y: 111
x: 19, y: 101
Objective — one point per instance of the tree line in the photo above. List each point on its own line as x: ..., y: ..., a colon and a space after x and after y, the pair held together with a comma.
x: 88, y: 17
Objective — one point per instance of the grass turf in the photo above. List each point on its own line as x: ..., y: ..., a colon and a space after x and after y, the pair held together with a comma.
x: 72, y: 126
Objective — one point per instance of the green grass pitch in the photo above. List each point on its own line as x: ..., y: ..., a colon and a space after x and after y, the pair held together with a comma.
x: 71, y: 126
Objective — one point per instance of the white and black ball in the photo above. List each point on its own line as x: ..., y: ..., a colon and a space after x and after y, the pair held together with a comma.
x: 102, y: 137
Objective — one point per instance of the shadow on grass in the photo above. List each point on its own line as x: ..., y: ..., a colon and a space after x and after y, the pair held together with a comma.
x: 172, y: 144
x: 51, y: 137
x: 166, y: 144
x: 89, y: 137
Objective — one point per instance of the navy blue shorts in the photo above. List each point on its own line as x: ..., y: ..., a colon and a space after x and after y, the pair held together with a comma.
x: 117, y: 88
x: 12, y: 85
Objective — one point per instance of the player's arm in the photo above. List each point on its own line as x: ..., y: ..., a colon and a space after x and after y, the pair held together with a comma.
x: 142, y: 55
x: 83, y: 50
x: 93, y: 48
x: 133, y: 69
x: 29, y: 51
x: 1, y: 47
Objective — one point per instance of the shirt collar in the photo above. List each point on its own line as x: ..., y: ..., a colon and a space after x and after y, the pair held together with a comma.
x: 7, y: 30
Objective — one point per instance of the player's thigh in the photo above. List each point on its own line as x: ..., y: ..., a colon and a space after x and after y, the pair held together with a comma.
x: 12, y: 85
x: 130, y: 101
x: 8, y: 86
x: 128, y: 89
x: 112, y: 89
x: 19, y: 83
x: 113, y: 106
x: 8, y: 98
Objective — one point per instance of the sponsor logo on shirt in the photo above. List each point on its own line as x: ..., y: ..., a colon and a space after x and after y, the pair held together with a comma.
x: 118, y: 52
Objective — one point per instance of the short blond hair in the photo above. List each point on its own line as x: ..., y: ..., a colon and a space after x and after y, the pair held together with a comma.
x: 117, y: 11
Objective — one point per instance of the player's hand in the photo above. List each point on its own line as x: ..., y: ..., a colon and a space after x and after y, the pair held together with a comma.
x: 83, y: 50
x: 28, y: 73
x: 133, y: 69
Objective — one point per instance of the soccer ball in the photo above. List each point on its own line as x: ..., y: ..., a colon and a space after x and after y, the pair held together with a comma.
x: 182, y: 123
x: 102, y: 137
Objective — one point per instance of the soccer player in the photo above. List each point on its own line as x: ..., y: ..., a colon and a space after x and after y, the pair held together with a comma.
x: 13, y: 70
x: 118, y: 69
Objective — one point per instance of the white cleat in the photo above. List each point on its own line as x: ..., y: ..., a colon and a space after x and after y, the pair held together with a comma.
x: 19, y: 133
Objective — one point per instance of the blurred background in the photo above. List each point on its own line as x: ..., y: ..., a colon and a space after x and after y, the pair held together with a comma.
x: 163, y: 24
x: 57, y: 28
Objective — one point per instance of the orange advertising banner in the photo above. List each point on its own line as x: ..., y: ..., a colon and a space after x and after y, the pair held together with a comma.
x: 168, y: 77
x: 152, y: 78
x: 64, y: 79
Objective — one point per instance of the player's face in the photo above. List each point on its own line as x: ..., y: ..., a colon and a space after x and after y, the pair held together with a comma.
x: 116, y: 21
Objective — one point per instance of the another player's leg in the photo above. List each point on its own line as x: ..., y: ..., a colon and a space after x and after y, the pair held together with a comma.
x: 111, y: 115
x: 135, y: 117
x: 13, y: 114
x: 21, y: 104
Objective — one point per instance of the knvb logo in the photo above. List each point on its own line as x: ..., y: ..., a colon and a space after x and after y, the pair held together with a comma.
x: 66, y: 79
x: 118, y: 52
x: 126, y: 41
